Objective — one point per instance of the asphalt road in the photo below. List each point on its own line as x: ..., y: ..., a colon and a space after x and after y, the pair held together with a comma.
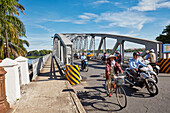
x: 93, y: 96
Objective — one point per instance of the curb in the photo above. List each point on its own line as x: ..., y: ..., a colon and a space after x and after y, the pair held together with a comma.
x: 76, y: 100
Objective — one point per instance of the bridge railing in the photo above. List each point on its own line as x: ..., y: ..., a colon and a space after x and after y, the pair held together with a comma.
x: 37, y: 65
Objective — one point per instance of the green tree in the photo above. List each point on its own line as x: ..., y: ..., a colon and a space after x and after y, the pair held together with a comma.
x: 11, y: 28
x: 165, y: 36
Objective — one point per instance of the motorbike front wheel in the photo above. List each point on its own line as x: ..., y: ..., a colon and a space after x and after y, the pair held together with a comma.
x: 86, y: 68
x: 152, y: 88
x: 155, y: 77
x: 156, y: 71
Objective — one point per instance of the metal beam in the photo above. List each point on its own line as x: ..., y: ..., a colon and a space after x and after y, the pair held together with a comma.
x: 115, y: 47
x: 104, y: 44
x: 100, y: 45
x: 122, y: 51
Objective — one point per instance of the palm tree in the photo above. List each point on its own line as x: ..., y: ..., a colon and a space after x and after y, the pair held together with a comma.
x: 15, y: 50
x: 11, y: 27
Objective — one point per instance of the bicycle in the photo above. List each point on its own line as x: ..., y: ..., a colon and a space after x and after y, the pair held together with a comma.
x: 117, y: 81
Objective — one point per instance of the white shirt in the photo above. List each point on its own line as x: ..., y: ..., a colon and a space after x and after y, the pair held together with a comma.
x: 83, y: 57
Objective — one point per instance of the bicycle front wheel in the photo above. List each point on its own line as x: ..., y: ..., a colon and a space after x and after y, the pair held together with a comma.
x: 121, y: 97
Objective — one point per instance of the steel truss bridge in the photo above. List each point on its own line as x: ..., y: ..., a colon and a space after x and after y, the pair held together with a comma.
x: 66, y: 44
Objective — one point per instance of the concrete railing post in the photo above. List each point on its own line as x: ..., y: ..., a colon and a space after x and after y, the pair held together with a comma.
x: 12, y: 80
x: 23, y: 63
x: 4, y: 105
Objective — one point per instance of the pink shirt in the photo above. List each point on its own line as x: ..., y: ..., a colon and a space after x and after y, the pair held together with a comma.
x: 108, y: 68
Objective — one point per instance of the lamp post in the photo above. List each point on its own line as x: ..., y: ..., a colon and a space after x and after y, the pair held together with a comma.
x: 4, y: 105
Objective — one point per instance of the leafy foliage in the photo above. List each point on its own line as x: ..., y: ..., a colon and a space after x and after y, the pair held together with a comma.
x: 39, y: 53
x: 165, y: 36
x: 11, y: 28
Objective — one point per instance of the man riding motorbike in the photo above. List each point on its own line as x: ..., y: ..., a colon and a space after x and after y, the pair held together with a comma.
x: 111, y: 63
x: 83, y: 57
x: 118, y: 57
x: 134, y: 64
x: 104, y: 57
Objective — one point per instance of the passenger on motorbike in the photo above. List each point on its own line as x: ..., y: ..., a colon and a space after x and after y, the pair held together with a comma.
x: 152, y: 56
x: 83, y: 57
x: 134, y: 64
x: 139, y: 57
x: 111, y: 63
x: 146, y: 55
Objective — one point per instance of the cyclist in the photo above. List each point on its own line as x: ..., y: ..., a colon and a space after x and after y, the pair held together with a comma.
x: 111, y: 63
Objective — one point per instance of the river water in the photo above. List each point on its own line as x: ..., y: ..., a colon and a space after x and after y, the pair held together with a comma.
x: 30, y: 61
x: 128, y: 55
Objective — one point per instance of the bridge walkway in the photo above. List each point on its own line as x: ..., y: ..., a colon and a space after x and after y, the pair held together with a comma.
x: 48, y: 96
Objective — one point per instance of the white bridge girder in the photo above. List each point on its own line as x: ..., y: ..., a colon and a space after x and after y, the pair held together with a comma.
x: 86, y: 37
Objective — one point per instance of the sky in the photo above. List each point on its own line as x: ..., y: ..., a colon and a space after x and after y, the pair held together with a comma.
x: 136, y: 18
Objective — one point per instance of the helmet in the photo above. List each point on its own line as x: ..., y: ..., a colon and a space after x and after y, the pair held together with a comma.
x: 152, y: 50
x: 118, y: 52
x: 135, y: 53
x: 139, y: 53
x: 83, y: 53
x: 147, y: 51
x: 104, y: 52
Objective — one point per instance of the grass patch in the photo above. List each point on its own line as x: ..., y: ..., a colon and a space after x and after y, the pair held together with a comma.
x: 33, y: 57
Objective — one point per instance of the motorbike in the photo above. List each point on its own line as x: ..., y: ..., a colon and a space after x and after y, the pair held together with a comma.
x: 144, y: 79
x: 103, y: 60
x: 84, y: 65
x: 155, y: 67
x: 150, y: 71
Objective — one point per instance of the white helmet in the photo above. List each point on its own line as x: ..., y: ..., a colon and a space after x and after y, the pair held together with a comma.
x: 152, y: 50
x: 147, y: 51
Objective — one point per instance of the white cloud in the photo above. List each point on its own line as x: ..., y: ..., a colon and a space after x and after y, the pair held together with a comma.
x: 44, y: 28
x: 101, y: 2
x: 39, y: 41
x: 126, y: 19
x: 117, y: 3
x: 88, y: 16
x: 79, y: 21
x: 149, y: 5
x: 58, y: 20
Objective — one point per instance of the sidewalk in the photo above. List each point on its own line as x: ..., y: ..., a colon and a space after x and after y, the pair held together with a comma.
x: 48, y: 96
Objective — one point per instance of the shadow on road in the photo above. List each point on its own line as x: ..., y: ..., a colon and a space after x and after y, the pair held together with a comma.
x: 97, y: 102
x: 97, y: 88
x: 133, y: 92
x: 95, y: 76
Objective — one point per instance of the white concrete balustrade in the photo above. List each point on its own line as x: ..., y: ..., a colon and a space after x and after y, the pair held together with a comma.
x: 12, y: 84
x: 24, y: 75
x: 18, y: 74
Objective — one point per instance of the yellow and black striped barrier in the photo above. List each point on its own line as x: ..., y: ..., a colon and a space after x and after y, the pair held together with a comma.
x: 164, y: 65
x: 72, y: 74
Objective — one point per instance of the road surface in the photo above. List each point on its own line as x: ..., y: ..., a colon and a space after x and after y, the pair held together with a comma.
x: 93, y: 97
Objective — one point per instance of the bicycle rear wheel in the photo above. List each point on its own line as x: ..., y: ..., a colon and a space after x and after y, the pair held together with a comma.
x: 121, y: 96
